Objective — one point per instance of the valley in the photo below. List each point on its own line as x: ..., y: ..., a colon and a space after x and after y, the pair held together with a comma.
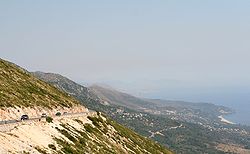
x: 52, y: 121
x: 124, y: 77
x: 182, y: 126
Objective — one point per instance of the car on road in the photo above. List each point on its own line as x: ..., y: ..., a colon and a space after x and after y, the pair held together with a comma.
x: 44, y: 115
x: 25, y: 117
x: 58, y: 114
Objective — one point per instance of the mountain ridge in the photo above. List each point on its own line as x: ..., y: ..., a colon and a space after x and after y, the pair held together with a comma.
x: 55, y: 122
x: 179, y: 130
x: 19, y: 87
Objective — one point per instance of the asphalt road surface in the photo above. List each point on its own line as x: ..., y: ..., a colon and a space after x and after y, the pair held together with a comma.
x: 37, y: 118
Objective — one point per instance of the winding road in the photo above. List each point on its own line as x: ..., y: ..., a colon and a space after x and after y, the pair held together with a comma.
x: 39, y: 118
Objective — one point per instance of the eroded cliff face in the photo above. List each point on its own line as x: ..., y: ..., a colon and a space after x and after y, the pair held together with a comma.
x: 88, y: 132
x: 34, y: 136
x: 76, y: 131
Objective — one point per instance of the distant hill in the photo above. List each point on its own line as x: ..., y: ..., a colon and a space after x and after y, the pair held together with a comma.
x: 65, y: 84
x: 185, y: 127
x: 76, y: 131
x: 156, y: 106
x: 84, y: 94
x: 96, y: 95
x: 115, y: 97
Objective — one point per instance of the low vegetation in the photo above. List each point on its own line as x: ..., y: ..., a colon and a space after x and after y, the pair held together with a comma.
x: 19, y: 88
x: 49, y: 119
x: 40, y: 150
x: 52, y: 146
x: 191, y: 138
x: 105, y: 136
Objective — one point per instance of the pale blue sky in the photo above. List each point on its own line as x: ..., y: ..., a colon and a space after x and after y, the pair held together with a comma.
x: 204, y: 43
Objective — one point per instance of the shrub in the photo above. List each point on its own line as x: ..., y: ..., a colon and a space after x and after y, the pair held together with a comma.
x: 40, y: 150
x: 49, y: 119
x: 52, y: 146
x: 88, y: 128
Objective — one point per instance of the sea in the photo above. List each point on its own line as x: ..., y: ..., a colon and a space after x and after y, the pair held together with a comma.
x: 241, y: 115
x: 239, y: 101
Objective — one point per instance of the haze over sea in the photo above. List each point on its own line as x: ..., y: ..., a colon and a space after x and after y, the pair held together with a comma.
x: 235, y: 97
x: 238, y: 101
x: 198, y: 48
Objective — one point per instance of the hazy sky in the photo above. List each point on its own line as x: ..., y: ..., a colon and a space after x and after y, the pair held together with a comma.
x: 194, y: 41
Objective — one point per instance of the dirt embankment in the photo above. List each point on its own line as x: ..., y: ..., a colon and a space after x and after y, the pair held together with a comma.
x: 28, y: 135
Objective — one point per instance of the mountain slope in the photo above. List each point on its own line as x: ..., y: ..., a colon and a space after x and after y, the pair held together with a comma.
x: 65, y: 84
x: 20, y: 88
x: 168, y: 128
x: 83, y: 94
x: 75, y: 130
x: 114, y: 97
x: 76, y: 135
x: 186, y: 111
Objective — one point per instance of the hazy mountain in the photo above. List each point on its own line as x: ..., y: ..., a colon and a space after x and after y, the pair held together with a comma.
x: 66, y: 85
x: 77, y: 130
x: 114, y: 97
x: 186, y: 111
x: 185, y: 127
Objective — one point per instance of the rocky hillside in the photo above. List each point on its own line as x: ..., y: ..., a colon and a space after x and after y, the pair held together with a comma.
x: 155, y: 105
x: 79, y: 134
x: 75, y: 130
x: 166, y: 121
x: 96, y: 95
x: 83, y: 94
x: 65, y: 84
x: 19, y: 88
x: 115, y: 97
x: 186, y: 111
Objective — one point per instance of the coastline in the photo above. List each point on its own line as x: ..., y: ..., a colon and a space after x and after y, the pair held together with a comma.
x: 222, y: 119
